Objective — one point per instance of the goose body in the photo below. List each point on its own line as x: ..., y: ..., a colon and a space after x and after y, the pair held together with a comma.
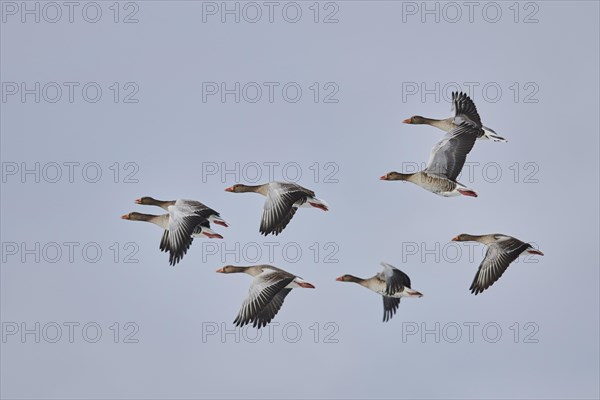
x: 270, y: 286
x: 162, y: 221
x: 282, y: 201
x: 186, y: 220
x: 448, y: 156
x: 502, y: 251
x: 450, y: 123
x: 391, y: 283
x: 183, y: 204
x: 433, y: 183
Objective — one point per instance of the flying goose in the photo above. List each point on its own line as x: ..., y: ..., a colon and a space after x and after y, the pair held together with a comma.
x: 176, y: 251
x: 391, y: 283
x: 267, y: 292
x: 283, y: 199
x: 213, y: 216
x: 186, y: 219
x: 502, y: 250
x: 202, y: 230
x: 448, y: 156
x: 450, y: 123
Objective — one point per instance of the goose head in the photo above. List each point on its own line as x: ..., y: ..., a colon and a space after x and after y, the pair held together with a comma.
x: 415, y: 120
x: 135, y: 216
x: 348, y: 278
x: 464, y: 237
x: 394, y: 176
x: 235, y: 188
x: 147, y: 200
x: 241, y: 188
x: 230, y: 269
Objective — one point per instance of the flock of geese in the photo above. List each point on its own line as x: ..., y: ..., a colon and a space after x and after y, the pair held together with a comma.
x: 189, y: 219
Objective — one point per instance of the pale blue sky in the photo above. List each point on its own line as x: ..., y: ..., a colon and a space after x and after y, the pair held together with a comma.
x: 369, y: 55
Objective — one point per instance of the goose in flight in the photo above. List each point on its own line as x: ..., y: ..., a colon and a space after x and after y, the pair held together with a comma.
x: 450, y: 123
x: 213, y: 216
x: 391, y: 283
x: 448, y: 156
x: 202, y: 230
x: 502, y: 250
x: 282, y: 201
x: 270, y: 286
x: 185, y: 220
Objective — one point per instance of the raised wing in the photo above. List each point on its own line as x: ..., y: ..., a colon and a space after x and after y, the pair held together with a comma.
x: 395, y: 280
x: 194, y: 207
x: 464, y: 110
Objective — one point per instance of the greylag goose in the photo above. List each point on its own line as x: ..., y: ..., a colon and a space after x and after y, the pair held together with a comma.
x: 202, y: 230
x: 175, y: 247
x: 267, y: 292
x: 450, y: 123
x: 502, y: 250
x: 186, y: 219
x: 391, y: 283
x: 448, y: 156
x: 283, y: 199
x: 213, y: 216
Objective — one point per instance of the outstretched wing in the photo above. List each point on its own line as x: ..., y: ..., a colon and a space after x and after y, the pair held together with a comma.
x: 497, y: 259
x: 184, y: 217
x: 271, y: 309
x: 280, y: 206
x: 164, y: 241
x: 448, y: 156
x: 395, y: 280
x: 390, y: 305
x: 262, y: 292
x: 464, y: 110
x: 180, y: 238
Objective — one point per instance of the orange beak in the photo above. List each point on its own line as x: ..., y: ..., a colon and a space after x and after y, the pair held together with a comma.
x: 455, y: 239
x: 383, y: 178
x: 219, y: 270
x: 408, y: 121
x: 138, y: 201
x: 229, y: 189
x: 125, y: 216
x: 340, y: 278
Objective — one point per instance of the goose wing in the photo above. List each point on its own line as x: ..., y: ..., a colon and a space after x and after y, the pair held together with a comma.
x: 390, y: 305
x: 497, y: 259
x: 448, y: 156
x: 395, y: 280
x: 265, y: 287
x: 183, y: 220
x: 271, y: 309
x: 195, y: 207
x: 464, y: 110
x: 280, y: 206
